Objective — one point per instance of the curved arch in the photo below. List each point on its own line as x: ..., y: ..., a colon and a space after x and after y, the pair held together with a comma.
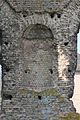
x: 38, y: 19
x: 37, y: 31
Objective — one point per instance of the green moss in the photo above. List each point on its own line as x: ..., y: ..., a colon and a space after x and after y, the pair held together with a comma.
x: 71, y: 116
x: 68, y: 116
x: 48, y: 92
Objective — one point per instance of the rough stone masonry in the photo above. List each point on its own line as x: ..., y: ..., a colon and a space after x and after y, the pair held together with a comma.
x: 38, y: 53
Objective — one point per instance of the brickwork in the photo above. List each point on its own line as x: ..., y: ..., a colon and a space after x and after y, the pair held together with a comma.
x: 38, y: 57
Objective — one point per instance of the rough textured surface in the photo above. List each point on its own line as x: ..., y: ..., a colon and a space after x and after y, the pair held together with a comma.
x: 38, y: 51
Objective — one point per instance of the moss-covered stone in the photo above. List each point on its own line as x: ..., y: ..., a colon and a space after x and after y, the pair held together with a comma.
x: 71, y: 116
x: 49, y: 92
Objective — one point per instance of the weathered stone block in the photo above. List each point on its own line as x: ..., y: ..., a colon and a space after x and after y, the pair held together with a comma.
x: 38, y: 54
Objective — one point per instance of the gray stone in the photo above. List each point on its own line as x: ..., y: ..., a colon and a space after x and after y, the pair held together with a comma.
x: 38, y: 55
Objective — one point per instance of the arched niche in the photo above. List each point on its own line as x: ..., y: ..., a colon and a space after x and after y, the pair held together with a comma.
x: 37, y: 31
x: 39, y: 54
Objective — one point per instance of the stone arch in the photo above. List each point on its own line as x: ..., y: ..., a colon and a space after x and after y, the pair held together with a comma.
x: 37, y: 31
x: 43, y: 19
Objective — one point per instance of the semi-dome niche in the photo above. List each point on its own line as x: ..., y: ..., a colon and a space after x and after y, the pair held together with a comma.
x: 39, y: 58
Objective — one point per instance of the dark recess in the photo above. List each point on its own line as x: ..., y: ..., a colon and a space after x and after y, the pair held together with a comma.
x: 51, y: 71
x: 24, y: 15
x: 69, y: 70
x: 7, y: 69
x: 52, y: 14
x: 39, y: 97
x: 26, y: 71
x: 6, y: 43
x: 7, y: 97
x: 59, y: 15
x: 66, y: 43
x: 13, y: 84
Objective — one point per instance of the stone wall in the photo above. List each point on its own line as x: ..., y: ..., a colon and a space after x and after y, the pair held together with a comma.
x: 38, y: 58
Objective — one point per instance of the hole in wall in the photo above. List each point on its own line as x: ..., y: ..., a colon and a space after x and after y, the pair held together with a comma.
x: 13, y: 84
x: 7, y: 97
x: 69, y: 70
x: 52, y: 14
x: 39, y: 97
x: 6, y: 43
x: 25, y: 13
x: 51, y: 71
x: 7, y: 69
x: 59, y: 15
x: 70, y: 95
x: 66, y: 43
x: 27, y: 71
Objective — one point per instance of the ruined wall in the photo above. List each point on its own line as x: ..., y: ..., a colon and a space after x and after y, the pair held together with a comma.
x: 38, y: 57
